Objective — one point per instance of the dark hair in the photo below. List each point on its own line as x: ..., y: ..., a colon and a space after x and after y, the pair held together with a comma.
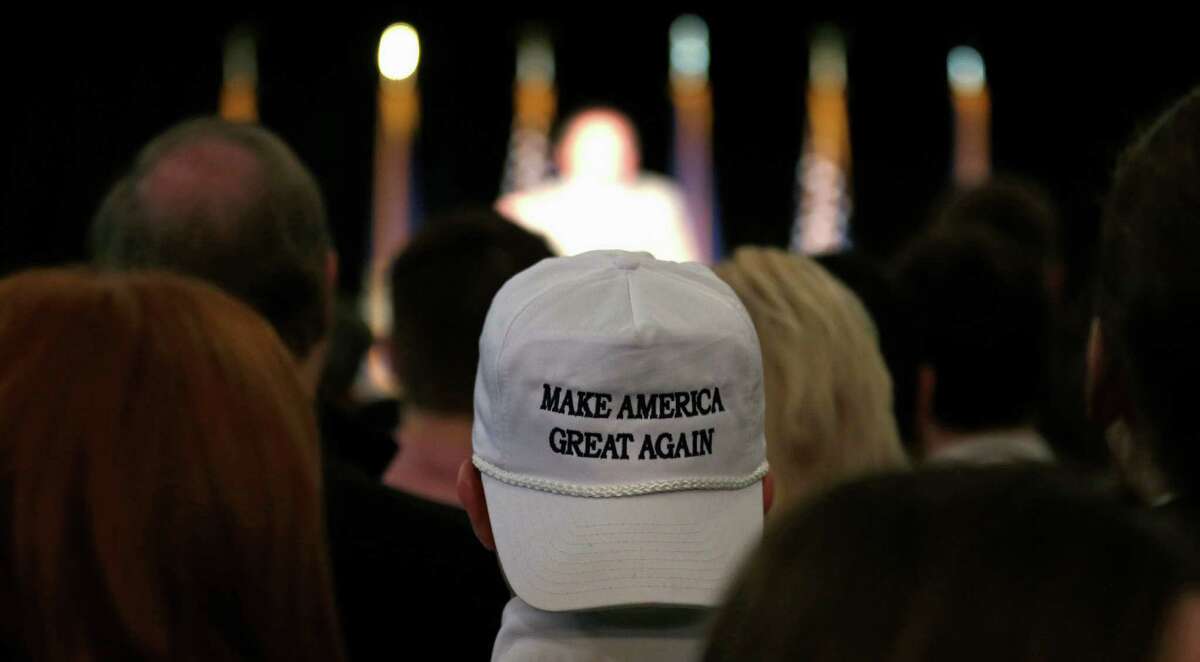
x: 973, y: 564
x: 1149, y: 284
x: 980, y: 317
x: 1016, y: 209
x: 159, y: 477
x: 442, y: 286
x: 231, y: 204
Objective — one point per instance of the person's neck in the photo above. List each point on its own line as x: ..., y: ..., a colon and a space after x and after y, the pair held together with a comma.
x: 432, y: 448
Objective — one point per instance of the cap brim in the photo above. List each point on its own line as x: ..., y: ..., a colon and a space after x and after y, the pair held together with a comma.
x: 672, y: 548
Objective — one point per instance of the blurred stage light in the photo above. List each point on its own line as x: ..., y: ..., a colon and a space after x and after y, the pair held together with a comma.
x: 822, y: 221
x: 239, y: 99
x: 240, y: 61
x: 689, y: 47
x: 535, y: 103
x: 972, y: 115
x: 535, y: 59
x: 399, y: 51
x: 827, y: 59
x: 964, y: 68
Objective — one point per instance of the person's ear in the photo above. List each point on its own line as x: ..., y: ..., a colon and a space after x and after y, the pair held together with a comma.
x: 470, y: 495
x: 768, y: 489
x: 1104, y: 392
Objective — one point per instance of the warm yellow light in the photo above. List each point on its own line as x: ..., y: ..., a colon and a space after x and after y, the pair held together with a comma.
x: 399, y: 51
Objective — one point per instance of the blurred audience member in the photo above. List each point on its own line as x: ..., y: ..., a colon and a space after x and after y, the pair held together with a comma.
x: 1023, y: 212
x: 160, y: 486
x: 442, y: 285
x: 602, y: 200
x: 1017, y: 210
x: 829, y: 397
x: 980, y: 317
x: 231, y: 203
x: 619, y: 470
x: 983, y: 564
x: 1144, y: 356
x: 871, y: 283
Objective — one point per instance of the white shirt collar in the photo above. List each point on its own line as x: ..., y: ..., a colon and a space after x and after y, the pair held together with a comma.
x: 666, y: 634
x: 996, y: 447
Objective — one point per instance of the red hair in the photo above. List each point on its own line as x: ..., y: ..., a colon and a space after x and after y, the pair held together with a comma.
x: 159, y: 476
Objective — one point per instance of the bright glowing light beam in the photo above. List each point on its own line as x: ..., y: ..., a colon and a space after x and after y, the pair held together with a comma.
x: 399, y: 51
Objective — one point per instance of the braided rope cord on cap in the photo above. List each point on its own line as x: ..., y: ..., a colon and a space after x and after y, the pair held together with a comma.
x: 610, y: 491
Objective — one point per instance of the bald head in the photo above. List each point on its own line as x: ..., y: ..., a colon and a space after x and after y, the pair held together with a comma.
x: 230, y: 204
x: 212, y: 178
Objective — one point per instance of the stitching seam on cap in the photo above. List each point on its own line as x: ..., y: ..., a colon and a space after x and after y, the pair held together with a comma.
x: 610, y: 491
x: 733, y: 303
x: 503, y: 346
x: 632, y: 308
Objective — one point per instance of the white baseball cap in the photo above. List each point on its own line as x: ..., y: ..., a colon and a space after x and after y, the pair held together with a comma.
x: 619, y: 432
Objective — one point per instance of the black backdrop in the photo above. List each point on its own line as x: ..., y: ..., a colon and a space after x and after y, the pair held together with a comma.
x: 1067, y: 92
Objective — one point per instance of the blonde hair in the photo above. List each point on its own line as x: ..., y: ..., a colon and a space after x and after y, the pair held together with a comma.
x: 829, y: 396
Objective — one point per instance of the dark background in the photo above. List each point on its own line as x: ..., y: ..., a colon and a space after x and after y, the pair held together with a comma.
x: 1067, y: 93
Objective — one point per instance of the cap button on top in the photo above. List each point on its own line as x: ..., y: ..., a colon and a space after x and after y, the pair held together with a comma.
x: 628, y: 262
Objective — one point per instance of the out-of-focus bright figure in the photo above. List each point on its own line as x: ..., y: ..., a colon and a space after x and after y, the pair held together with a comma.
x: 972, y: 116
x: 691, y: 95
x: 601, y: 200
x: 822, y: 222
x: 239, y: 95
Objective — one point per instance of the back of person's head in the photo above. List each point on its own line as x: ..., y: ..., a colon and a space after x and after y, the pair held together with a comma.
x: 969, y: 564
x: 1017, y: 209
x: 442, y: 285
x: 233, y: 205
x: 980, y: 316
x: 828, y: 393
x: 619, y: 456
x: 159, y: 483
x: 1149, y: 287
